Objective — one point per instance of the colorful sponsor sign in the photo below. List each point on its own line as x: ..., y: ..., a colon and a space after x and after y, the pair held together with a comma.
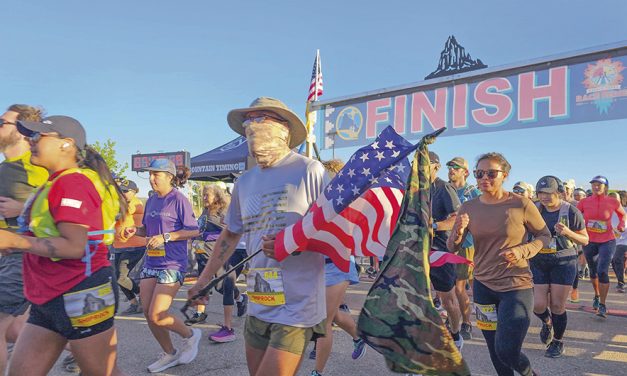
x: 140, y: 161
x: 567, y: 90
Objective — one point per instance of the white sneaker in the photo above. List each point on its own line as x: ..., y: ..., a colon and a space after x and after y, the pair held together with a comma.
x: 459, y: 343
x: 164, y: 362
x: 189, y: 348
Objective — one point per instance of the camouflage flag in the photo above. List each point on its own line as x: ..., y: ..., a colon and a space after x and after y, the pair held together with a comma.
x: 399, y: 319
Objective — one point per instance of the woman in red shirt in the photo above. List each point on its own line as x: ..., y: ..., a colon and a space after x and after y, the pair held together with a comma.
x: 67, y: 226
x: 597, y: 211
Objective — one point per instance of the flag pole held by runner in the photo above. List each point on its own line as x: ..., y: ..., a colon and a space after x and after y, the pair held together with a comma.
x: 214, y: 282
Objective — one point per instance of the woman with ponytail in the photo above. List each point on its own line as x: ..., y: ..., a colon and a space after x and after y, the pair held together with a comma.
x: 168, y: 224
x: 66, y: 228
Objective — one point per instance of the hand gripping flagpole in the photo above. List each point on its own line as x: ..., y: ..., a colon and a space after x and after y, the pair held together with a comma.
x: 214, y: 282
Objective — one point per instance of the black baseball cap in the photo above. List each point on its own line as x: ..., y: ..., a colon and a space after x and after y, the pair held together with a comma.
x: 548, y: 184
x: 128, y: 185
x: 434, y: 158
x: 65, y: 126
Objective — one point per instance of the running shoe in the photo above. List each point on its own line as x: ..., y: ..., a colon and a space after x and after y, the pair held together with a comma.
x: 466, y: 331
x: 359, y: 348
x: 164, y: 362
x: 546, y: 333
x: 133, y: 309
x: 197, y: 318
x: 437, y: 303
x: 595, y: 302
x: 620, y: 288
x: 315, y: 373
x: 555, y: 349
x: 223, y: 335
x: 242, y: 306
x: 574, y: 296
x: 602, y: 312
x: 189, y: 348
x: 580, y: 274
x: 459, y: 343
x: 344, y: 308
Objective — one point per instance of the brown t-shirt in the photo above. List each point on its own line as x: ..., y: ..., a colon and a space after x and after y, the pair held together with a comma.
x: 498, y: 227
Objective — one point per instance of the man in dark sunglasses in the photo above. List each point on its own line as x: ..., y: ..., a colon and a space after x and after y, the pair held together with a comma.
x: 444, y: 205
x: 18, y: 180
x: 457, y: 175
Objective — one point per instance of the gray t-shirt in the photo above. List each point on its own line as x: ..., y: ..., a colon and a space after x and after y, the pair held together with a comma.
x: 265, y: 201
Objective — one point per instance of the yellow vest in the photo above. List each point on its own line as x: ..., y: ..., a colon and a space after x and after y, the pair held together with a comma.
x: 42, y: 223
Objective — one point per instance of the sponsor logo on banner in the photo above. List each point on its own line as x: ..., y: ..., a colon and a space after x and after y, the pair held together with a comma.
x: 349, y: 123
x: 603, y: 81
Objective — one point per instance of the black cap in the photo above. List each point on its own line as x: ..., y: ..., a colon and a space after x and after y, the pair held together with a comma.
x: 548, y: 184
x: 433, y: 157
x: 65, y: 126
x: 128, y: 185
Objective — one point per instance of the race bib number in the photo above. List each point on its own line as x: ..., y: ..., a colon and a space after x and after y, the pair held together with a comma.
x: 90, y: 307
x: 160, y: 252
x: 597, y: 226
x: 486, y: 316
x: 551, y: 248
x: 265, y: 286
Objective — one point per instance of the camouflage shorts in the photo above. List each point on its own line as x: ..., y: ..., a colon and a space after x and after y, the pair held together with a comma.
x: 164, y: 276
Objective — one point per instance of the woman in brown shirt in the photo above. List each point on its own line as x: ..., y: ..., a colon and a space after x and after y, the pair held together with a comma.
x: 500, y: 222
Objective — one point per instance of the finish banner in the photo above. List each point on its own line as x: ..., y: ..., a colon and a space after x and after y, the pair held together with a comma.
x: 581, y: 87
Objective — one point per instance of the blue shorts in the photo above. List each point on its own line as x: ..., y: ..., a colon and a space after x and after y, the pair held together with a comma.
x: 163, y: 276
x: 554, y: 269
x: 333, y: 275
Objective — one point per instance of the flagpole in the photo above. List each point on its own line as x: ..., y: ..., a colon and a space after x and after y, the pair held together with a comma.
x: 310, y: 135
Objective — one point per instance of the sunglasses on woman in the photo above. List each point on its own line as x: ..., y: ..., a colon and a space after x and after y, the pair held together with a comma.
x: 37, y: 136
x: 492, y: 174
x: 3, y: 122
x: 519, y: 191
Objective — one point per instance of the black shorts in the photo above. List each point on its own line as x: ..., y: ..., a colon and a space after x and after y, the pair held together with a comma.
x: 554, y: 269
x: 443, y: 277
x: 85, y: 310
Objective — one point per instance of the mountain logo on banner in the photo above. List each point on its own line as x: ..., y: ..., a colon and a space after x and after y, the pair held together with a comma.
x: 454, y: 59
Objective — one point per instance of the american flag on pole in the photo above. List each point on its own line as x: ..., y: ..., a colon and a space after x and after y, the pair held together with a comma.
x: 315, y: 87
x: 358, y: 209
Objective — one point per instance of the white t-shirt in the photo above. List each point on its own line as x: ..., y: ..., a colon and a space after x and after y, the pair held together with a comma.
x: 622, y: 240
x: 264, y: 201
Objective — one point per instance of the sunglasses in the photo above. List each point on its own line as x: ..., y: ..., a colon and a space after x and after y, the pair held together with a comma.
x: 3, y: 122
x: 491, y: 174
x: 455, y: 167
x: 37, y: 136
x: 261, y: 119
x: 518, y: 191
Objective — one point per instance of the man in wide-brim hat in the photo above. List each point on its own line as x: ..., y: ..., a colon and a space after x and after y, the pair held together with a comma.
x: 287, y: 299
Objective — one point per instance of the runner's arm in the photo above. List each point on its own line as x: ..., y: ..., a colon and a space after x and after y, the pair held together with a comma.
x: 69, y: 245
x: 224, y: 248
x: 622, y: 218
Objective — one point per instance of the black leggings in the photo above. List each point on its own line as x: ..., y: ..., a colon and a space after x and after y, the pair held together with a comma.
x: 513, y: 317
x: 618, y: 263
x: 127, y: 259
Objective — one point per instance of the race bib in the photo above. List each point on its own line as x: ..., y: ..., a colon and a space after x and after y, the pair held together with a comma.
x: 159, y: 252
x: 486, y: 316
x: 265, y: 286
x: 597, y: 226
x: 90, y: 307
x: 551, y: 248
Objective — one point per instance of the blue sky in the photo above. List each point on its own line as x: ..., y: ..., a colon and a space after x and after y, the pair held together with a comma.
x: 162, y: 75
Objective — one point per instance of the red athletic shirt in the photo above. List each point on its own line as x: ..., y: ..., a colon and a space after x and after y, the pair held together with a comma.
x: 71, y: 199
x: 597, y: 211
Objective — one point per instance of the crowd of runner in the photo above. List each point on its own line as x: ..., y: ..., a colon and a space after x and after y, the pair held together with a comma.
x: 73, y: 234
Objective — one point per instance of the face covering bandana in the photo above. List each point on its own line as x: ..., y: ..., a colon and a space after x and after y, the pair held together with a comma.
x: 267, y: 142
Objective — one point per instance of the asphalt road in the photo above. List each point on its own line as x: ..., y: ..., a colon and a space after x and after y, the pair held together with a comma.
x: 594, y: 346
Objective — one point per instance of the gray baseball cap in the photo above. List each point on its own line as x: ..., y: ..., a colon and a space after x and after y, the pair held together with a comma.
x: 65, y: 126
x: 162, y: 164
